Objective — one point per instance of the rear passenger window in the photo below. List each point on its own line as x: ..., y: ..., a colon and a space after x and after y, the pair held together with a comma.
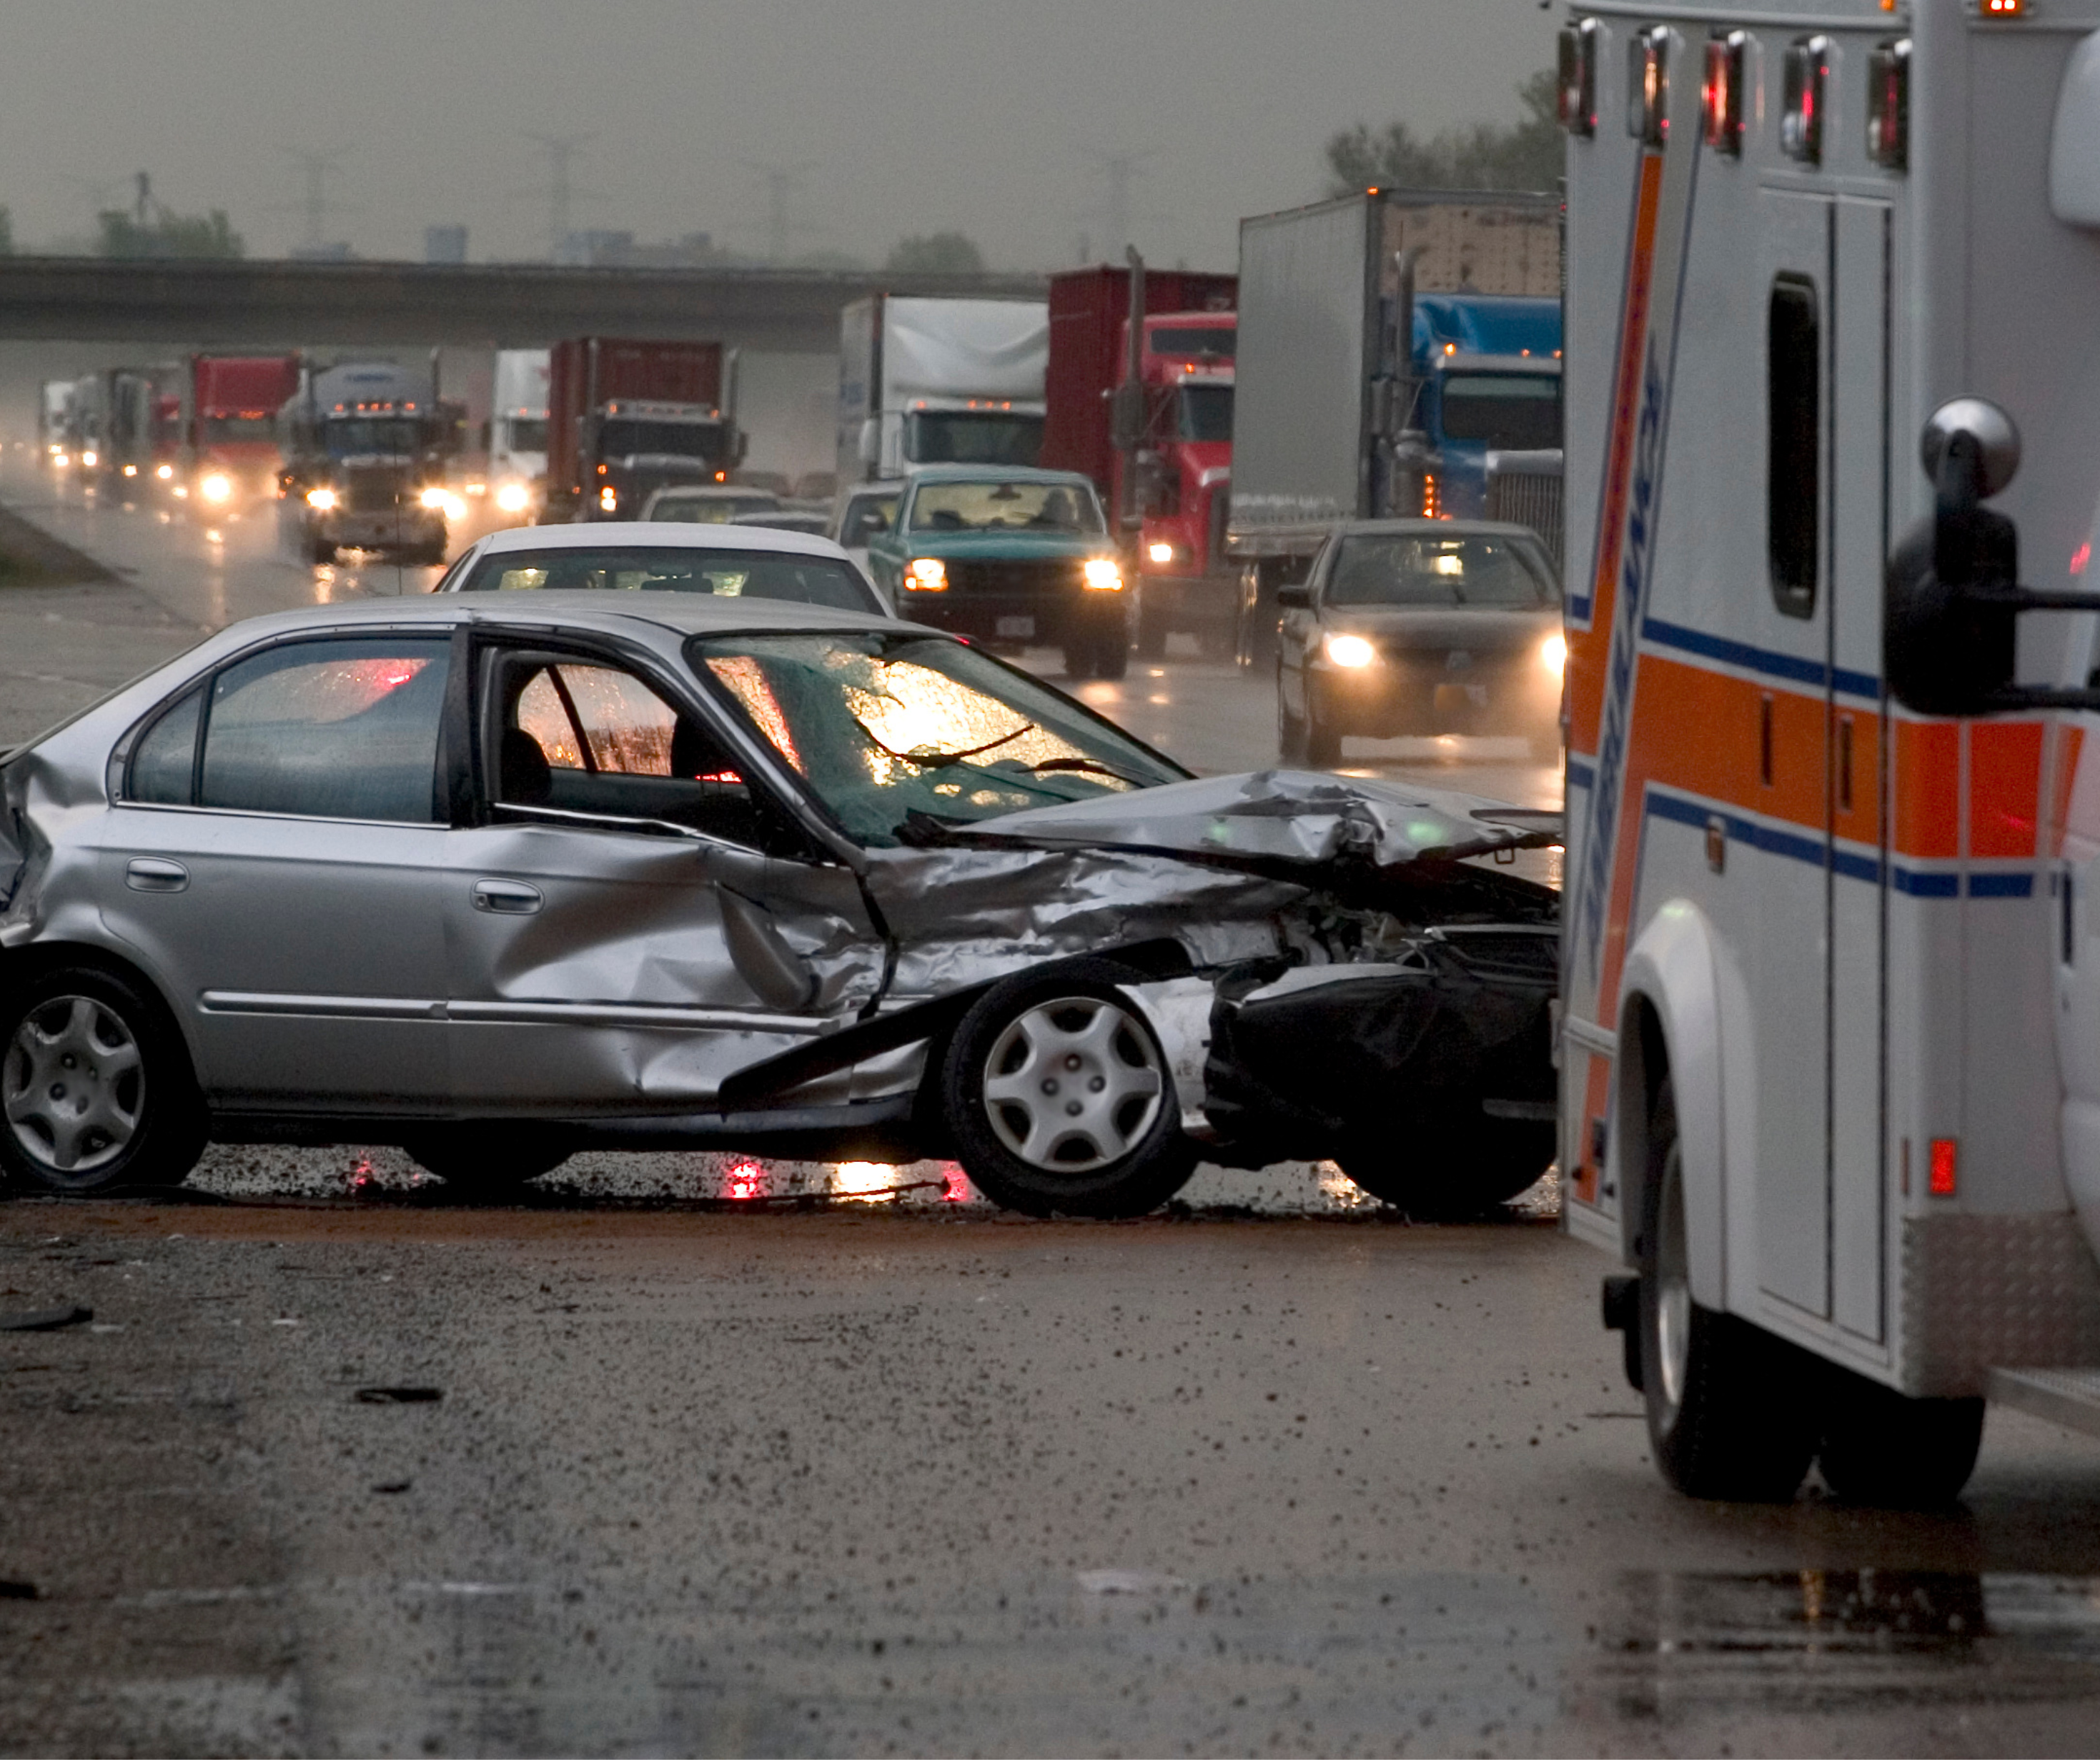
x: 163, y: 768
x: 1793, y: 455
x: 327, y: 729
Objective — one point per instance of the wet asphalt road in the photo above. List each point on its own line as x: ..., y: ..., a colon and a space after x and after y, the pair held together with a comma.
x: 730, y: 1456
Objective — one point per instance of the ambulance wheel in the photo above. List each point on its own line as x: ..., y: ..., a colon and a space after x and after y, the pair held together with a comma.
x: 1059, y: 1100
x: 1731, y: 1411
x: 1879, y: 1448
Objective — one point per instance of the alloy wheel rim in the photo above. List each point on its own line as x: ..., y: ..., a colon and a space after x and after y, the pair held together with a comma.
x: 73, y: 1087
x: 1672, y: 1302
x: 1073, y: 1084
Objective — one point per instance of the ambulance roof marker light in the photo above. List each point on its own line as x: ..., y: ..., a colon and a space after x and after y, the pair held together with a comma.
x: 1647, y: 86
x: 1888, y: 105
x: 1807, y: 87
x: 1721, y: 98
x: 1580, y: 43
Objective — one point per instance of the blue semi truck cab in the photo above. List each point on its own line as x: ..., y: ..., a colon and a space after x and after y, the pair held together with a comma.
x: 1486, y: 381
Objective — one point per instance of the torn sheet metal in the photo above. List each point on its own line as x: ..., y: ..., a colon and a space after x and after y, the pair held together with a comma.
x: 1295, y: 817
x: 1178, y: 1010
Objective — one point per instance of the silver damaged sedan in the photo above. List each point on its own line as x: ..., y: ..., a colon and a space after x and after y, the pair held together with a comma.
x: 499, y: 881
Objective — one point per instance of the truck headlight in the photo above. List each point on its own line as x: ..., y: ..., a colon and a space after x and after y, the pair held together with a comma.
x: 1351, y: 651
x: 1553, y: 654
x: 166, y: 472
x: 1162, y: 553
x: 89, y: 458
x: 514, y: 497
x: 218, y: 486
x: 319, y: 499
x: 1104, y: 575
x: 926, y: 573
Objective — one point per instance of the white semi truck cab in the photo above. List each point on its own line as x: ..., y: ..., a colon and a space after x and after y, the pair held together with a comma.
x: 940, y: 381
x: 1830, y: 1041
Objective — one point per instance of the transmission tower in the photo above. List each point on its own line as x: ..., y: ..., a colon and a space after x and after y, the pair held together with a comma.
x: 1119, y: 171
x: 780, y: 180
x: 315, y: 202
x: 562, y: 193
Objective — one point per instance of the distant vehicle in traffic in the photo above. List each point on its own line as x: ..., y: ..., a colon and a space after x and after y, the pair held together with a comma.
x: 721, y: 560
x: 684, y: 871
x: 816, y: 487
x: 365, y: 470
x: 1420, y: 627
x: 940, y: 381
x: 628, y: 418
x: 708, y: 503
x: 1010, y: 559
x: 518, y: 431
x: 233, y: 449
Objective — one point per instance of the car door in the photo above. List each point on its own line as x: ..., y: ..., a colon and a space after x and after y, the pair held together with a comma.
x: 275, y: 856
x: 630, y: 918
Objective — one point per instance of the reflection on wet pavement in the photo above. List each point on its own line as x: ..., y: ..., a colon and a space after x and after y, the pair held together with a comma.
x: 728, y: 1181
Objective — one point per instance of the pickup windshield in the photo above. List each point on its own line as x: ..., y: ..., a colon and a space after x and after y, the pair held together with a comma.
x: 993, y: 505
x: 972, y: 437
x: 881, y: 727
x: 621, y: 438
x: 1404, y: 570
x: 1513, y: 412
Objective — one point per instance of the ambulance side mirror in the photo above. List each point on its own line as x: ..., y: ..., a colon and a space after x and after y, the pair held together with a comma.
x: 1952, y: 593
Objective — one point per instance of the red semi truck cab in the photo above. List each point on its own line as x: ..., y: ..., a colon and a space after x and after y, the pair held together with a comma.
x: 627, y: 418
x: 1164, y: 468
x: 231, y: 450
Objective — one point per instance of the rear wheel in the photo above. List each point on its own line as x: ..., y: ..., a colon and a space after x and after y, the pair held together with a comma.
x: 1454, y: 1174
x: 1879, y: 1448
x: 1059, y: 1098
x: 96, y: 1092
x: 1732, y: 1410
x: 487, y: 1160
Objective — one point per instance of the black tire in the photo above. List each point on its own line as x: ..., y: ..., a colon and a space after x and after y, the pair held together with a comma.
x: 1882, y: 1449
x: 1122, y: 1156
x: 1457, y: 1174
x: 1323, y: 740
x: 97, y: 1094
x: 1152, y: 632
x: 1732, y: 1412
x: 1112, y: 653
x: 1079, y: 658
x: 322, y: 551
x: 488, y: 1160
x: 1290, y: 728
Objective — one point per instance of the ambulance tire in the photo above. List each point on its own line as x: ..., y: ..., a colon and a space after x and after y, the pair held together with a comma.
x: 1731, y: 1414
x: 1882, y: 1449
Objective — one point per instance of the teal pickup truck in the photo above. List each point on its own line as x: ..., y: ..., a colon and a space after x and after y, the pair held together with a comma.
x: 1010, y: 558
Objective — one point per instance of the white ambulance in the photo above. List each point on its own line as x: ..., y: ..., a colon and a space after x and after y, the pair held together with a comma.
x: 1830, y: 1045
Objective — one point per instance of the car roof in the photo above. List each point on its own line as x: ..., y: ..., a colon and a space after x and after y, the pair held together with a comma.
x: 656, y: 534
x: 936, y: 473
x: 685, y: 614
x: 712, y: 492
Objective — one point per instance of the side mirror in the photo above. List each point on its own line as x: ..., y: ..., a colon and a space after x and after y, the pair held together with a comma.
x: 1299, y: 598
x: 870, y: 445
x: 1126, y: 415
x: 1952, y: 592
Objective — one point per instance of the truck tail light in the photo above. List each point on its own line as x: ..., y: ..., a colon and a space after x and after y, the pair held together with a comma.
x: 1888, y: 105
x: 1940, y: 1168
x: 1647, y: 86
x: 1577, y: 102
x: 1808, y: 89
x: 1722, y: 97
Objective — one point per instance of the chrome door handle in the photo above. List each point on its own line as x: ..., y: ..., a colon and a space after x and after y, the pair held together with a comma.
x: 506, y: 898
x: 151, y: 873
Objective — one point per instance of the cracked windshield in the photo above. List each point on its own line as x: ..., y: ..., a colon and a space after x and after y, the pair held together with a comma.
x: 884, y: 727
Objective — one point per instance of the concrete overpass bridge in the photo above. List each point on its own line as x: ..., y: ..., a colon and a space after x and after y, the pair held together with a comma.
x: 258, y: 304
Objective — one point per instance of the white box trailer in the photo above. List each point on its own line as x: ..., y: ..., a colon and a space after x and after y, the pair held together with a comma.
x: 1830, y: 1047
x: 940, y: 381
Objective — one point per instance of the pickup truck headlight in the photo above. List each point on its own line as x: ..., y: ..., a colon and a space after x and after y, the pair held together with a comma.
x: 319, y: 499
x: 218, y: 487
x: 926, y: 573
x: 1161, y: 553
x: 1104, y: 575
x: 1350, y: 651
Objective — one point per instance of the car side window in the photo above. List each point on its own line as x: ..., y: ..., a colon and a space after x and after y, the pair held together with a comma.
x: 334, y: 729
x: 164, y: 766
x: 582, y: 736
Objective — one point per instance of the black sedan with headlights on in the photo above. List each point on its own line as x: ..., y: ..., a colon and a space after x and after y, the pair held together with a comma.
x: 1420, y: 627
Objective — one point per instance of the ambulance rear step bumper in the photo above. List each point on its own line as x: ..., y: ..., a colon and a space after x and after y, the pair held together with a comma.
x: 2068, y: 1397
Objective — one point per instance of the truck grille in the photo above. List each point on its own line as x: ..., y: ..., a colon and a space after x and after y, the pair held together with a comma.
x: 373, y: 490
x: 1525, y: 489
x: 1015, y: 579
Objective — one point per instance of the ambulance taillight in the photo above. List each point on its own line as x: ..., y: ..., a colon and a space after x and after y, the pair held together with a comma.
x: 1807, y: 86
x: 1721, y: 98
x: 1578, y: 77
x: 1888, y: 105
x: 1648, y: 84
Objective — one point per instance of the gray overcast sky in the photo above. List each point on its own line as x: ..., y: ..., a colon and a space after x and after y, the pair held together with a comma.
x: 911, y: 116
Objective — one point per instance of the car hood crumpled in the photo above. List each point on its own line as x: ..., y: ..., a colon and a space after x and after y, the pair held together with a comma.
x: 1272, y: 820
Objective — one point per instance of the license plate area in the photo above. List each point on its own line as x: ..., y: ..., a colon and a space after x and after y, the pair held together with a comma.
x: 1015, y: 628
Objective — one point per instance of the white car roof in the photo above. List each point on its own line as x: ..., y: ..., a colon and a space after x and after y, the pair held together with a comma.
x: 653, y: 535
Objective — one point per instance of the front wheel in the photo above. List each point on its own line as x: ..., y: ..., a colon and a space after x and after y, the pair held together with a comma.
x: 96, y: 1092
x: 1112, y: 653
x: 1732, y: 1410
x: 1456, y: 1174
x: 1078, y: 658
x: 1059, y: 1098
x: 1879, y: 1448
